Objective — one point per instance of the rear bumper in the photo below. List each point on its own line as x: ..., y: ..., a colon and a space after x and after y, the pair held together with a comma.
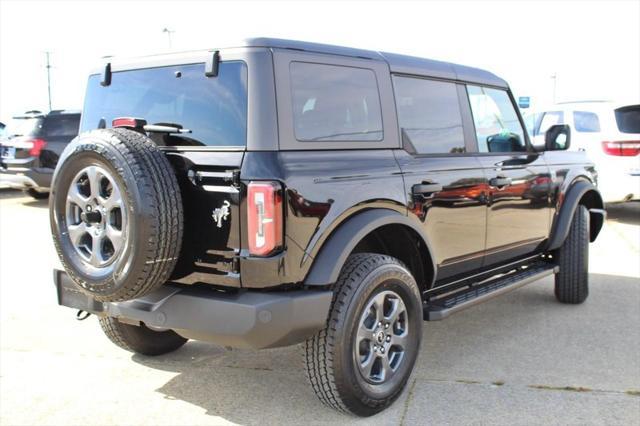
x: 26, y: 178
x: 244, y: 320
x: 619, y: 185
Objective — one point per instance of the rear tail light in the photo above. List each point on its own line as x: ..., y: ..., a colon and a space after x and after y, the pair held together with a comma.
x: 264, y: 217
x: 37, y: 145
x: 622, y: 148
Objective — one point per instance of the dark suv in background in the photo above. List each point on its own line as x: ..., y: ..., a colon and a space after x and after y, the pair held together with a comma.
x: 30, y: 147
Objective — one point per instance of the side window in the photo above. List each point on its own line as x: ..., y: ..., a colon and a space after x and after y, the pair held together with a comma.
x: 335, y: 103
x: 497, y: 126
x: 429, y: 115
x: 550, y: 118
x: 586, y: 122
x: 61, y: 125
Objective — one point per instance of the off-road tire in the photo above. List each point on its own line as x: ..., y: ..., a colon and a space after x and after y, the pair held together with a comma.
x: 36, y: 195
x: 328, y: 356
x: 141, y: 339
x: 572, y: 281
x: 149, y: 186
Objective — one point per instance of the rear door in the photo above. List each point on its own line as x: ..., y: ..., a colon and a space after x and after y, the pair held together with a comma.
x: 444, y: 182
x: 207, y: 156
x: 518, y: 178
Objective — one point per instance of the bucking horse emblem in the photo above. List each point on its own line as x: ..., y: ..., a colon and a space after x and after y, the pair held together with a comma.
x: 220, y: 214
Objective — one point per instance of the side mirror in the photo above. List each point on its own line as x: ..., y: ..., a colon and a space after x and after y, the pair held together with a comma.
x: 557, y: 138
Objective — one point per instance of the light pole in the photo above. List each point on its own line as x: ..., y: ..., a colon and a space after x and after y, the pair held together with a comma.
x: 169, y: 32
x: 48, y: 66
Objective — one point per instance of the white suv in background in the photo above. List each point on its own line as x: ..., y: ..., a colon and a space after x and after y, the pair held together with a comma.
x: 610, y: 134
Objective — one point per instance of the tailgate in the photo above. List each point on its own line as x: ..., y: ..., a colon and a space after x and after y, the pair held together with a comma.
x: 211, y: 194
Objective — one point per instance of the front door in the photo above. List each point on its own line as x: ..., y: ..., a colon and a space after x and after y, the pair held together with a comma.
x: 518, y: 178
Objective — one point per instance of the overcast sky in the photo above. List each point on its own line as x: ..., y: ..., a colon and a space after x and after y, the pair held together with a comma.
x: 592, y: 47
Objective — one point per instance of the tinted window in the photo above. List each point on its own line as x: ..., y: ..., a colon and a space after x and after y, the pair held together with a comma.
x: 213, y: 108
x: 628, y: 119
x: 335, y: 103
x: 429, y: 115
x: 550, y: 118
x: 23, y: 127
x: 497, y: 126
x: 61, y: 125
x: 587, y: 122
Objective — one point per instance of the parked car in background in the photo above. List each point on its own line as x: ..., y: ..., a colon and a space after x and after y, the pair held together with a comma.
x: 30, y: 147
x: 610, y: 134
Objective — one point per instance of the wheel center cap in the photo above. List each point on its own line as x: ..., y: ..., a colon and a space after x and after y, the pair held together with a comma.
x: 92, y: 216
x: 380, y: 336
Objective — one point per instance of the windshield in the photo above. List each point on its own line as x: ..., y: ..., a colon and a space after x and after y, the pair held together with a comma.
x: 628, y: 119
x: 213, y: 108
x: 23, y: 127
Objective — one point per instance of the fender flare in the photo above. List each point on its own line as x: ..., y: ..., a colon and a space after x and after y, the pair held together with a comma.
x: 571, y: 202
x: 334, y: 252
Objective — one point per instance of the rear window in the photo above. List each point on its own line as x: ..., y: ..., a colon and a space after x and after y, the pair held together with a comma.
x: 586, y: 122
x: 23, y: 127
x: 213, y: 108
x: 61, y: 125
x: 628, y: 119
x: 335, y: 103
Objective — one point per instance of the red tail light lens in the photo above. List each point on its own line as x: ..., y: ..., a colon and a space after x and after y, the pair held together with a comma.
x: 128, y: 122
x: 622, y: 148
x: 37, y: 145
x: 264, y: 217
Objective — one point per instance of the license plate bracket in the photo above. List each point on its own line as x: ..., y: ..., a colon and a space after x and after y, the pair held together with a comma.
x: 69, y: 295
x: 8, y: 152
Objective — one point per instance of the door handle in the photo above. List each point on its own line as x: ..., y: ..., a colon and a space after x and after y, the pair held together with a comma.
x: 500, y: 181
x: 426, y: 188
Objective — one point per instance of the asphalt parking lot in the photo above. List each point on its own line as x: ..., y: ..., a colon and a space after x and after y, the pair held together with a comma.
x: 519, y: 359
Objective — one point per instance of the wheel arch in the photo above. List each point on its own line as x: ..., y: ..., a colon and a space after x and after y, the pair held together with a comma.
x: 371, y: 231
x: 583, y: 193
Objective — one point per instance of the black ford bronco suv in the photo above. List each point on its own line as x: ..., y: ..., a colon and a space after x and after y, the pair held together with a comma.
x: 284, y: 192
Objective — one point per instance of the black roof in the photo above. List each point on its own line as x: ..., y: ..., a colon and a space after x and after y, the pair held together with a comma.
x: 397, y: 63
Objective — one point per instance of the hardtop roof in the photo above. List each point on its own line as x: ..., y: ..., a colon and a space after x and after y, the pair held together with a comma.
x: 402, y: 64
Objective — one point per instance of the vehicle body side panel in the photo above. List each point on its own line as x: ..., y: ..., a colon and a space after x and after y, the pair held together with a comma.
x: 323, y: 189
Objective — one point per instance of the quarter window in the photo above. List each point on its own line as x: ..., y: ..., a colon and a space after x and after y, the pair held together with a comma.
x: 335, y: 103
x: 429, y: 115
x: 586, y: 122
x: 497, y: 126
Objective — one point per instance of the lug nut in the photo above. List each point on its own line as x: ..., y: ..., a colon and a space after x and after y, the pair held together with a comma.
x: 380, y: 324
x: 388, y: 338
x: 89, y: 208
x: 381, y: 350
x: 375, y: 348
x: 386, y: 325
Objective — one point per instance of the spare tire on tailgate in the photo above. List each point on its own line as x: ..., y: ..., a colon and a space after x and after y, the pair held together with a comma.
x: 116, y: 214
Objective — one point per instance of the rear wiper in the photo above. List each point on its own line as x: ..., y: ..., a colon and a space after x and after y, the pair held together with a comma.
x: 165, y: 128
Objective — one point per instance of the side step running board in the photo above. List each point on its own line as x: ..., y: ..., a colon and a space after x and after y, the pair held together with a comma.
x: 440, y: 307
